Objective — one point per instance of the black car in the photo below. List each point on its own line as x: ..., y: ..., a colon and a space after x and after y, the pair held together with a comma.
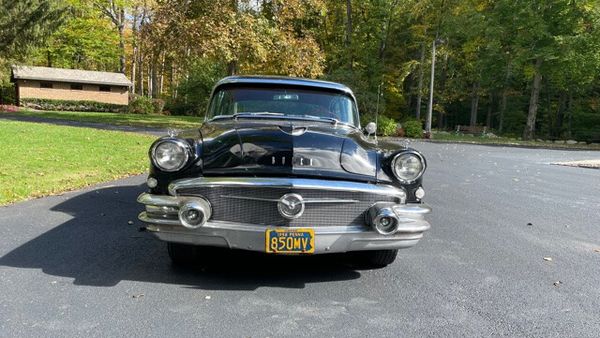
x: 281, y: 165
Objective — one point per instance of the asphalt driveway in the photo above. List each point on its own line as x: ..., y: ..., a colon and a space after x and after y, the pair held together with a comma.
x: 514, y: 250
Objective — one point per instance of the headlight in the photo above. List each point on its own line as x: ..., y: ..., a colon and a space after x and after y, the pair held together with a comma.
x: 170, y: 154
x: 408, y: 166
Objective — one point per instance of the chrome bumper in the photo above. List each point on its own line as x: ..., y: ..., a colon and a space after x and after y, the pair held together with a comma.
x: 328, y: 239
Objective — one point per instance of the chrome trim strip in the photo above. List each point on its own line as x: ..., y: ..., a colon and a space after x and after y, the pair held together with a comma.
x: 328, y: 200
x: 143, y: 216
x: 250, y: 198
x: 305, y: 200
x: 159, y: 200
x: 419, y: 226
x: 288, y: 183
x: 412, y: 209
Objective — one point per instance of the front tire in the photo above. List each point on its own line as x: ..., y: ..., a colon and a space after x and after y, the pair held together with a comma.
x: 183, y: 254
x: 378, y: 258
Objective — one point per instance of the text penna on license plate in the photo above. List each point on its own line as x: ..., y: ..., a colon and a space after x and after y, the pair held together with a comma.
x: 290, y: 241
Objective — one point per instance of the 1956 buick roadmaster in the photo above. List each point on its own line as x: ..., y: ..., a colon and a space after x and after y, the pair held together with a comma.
x: 282, y: 166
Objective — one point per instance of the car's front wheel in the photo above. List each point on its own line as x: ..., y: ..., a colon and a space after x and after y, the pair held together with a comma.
x: 378, y: 258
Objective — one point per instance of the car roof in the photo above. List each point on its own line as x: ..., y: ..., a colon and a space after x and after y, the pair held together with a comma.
x: 284, y: 80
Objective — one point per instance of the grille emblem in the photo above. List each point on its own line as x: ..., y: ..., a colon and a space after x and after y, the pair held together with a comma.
x: 291, y: 206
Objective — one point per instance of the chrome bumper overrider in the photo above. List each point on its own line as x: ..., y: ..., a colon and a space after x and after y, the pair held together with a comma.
x: 162, y: 220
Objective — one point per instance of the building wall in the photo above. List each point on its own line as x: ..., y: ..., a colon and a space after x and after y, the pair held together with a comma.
x: 63, y: 91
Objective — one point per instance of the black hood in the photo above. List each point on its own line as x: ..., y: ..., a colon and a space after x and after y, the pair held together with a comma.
x: 291, y: 148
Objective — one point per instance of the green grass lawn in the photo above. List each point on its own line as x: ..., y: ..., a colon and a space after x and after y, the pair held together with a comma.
x: 153, y: 121
x: 38, y: 159
x: 460, y: 138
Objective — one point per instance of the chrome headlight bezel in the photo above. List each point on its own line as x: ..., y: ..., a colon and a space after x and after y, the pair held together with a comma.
x: 399, y: 156
x: 181, y: 144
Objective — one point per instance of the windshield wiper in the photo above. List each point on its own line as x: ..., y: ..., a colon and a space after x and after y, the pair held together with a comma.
x: 267, y: 114
x: 333, y: 120
x: 261, y: 113
x: 330, y: 119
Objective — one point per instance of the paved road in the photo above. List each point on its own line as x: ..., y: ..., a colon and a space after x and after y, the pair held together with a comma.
x: 72, y: 266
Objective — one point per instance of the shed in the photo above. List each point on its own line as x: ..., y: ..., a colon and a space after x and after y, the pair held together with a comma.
x: 48, y: 83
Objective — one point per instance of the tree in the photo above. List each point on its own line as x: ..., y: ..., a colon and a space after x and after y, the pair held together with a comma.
x: 26, y: 23
x: 85, y: 40
x: 115, y: 11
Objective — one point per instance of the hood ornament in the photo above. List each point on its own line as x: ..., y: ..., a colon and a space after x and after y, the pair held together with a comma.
x: 171, y: 132
x: 405, y: 143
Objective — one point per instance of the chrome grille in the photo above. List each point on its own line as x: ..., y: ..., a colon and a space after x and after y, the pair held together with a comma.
x: 266, y: 213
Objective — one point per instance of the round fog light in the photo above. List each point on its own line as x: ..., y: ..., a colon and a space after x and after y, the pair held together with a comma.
x: 194, y: 214
x: 385, y: 222
x: 387, y: 225
x: 420, y: 193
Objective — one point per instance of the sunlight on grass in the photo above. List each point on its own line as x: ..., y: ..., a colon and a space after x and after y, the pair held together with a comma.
x: 152, y: 121
x: 499, y: 140
x: 39, y: 159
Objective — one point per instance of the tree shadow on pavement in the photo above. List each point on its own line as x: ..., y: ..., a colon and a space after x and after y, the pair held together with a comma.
x: 98, y: 247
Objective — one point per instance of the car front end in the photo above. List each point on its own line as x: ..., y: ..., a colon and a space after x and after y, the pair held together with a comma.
x: 284, y: 184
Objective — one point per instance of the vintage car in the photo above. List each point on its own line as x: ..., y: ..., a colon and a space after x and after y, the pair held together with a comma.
x: 281, y: 165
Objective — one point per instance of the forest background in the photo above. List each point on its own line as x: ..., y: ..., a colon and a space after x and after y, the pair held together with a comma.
x: 524, y: 69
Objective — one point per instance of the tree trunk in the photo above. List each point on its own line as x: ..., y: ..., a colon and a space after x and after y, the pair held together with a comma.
x: 162, y: 75
x: 502, y: 109
x: 529, y: 131
x: 570, y: 110
x: 133, y: 65
x: 386, y: 30
x: 140, y: 51
x: 474, y: 103
x: 122, y: 48
x: 141, y: 75
x: 348, y: 40
x: 232, y: 68
x: 504, y: 98
x: 172, y: 81
x: 551, y: 117
x: 488, y: 118
x: 443, y: 77
x: 134, y: 34
x: 154, y: 76
x: 150, y: 79
x: 560, y: 113
x: 349, y: 32
x: 420, y: 83
x: 121, y: 28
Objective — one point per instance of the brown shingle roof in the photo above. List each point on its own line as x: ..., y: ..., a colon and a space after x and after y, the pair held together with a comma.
x: 69, y: 75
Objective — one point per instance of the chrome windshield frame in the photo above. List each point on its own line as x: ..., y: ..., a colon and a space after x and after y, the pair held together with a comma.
x: 346, y: 93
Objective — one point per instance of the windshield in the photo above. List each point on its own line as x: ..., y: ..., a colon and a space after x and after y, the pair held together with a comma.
x: 283, y: 102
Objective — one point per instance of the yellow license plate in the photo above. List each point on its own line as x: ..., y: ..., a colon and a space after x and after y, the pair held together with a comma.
x: 290, y: 241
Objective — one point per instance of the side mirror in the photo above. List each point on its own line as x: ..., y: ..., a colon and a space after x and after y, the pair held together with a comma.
x: 371, y: 128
